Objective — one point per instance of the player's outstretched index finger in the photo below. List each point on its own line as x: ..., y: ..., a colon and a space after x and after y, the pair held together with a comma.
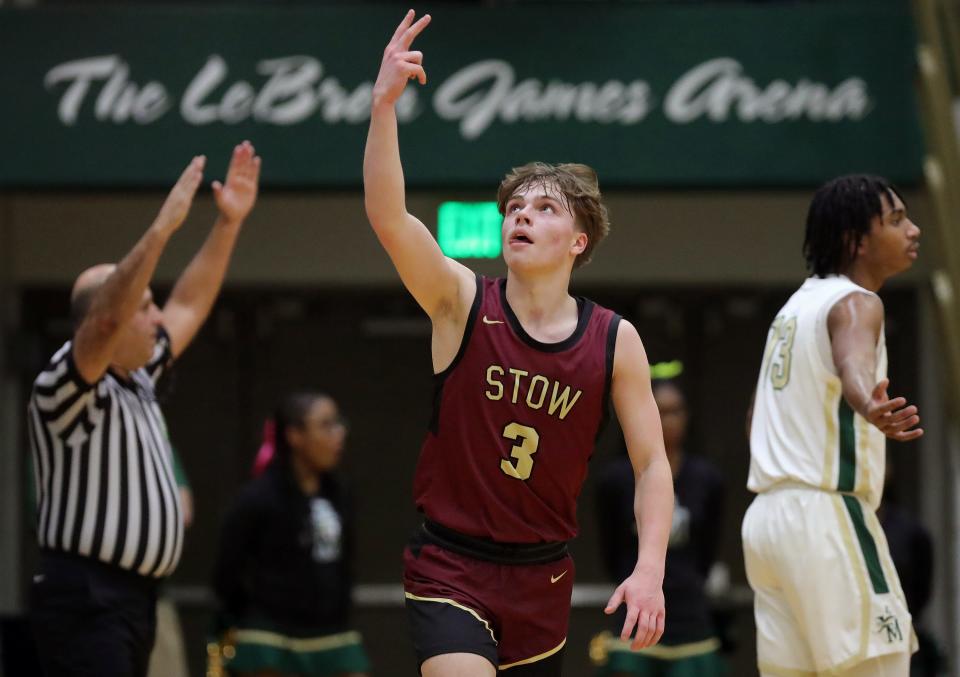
x: 413, y: 31
x: 404, y: 25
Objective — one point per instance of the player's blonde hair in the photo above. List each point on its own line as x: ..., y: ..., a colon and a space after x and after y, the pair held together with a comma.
x: 580, y: 190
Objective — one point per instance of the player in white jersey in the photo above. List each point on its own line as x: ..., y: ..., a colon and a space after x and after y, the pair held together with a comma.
x: 827, y: 598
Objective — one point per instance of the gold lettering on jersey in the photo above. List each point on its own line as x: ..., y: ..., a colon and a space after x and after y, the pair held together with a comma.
x: 562, y: 398
x: 543, y: 391
x: 517, y: 373
x: 491, y: 370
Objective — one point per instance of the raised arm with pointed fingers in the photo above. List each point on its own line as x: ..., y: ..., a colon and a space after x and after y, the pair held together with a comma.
x: 440, y: 285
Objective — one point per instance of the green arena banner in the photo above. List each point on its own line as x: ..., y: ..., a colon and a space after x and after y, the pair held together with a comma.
x: 657, y: 95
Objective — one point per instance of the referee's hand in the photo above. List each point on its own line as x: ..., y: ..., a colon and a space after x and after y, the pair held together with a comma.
x: 177, y: 205
x: 643, y: 594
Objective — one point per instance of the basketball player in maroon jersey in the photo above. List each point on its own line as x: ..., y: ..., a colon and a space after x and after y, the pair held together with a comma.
x: 523, y: 372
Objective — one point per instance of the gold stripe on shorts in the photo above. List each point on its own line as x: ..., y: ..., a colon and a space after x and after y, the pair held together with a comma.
x: 534, y: 659
x: 444, y: 600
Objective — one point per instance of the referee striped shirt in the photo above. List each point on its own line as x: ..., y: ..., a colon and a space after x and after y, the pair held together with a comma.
x: 104, y: 467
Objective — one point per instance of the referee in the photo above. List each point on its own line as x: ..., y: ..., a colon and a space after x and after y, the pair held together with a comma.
x: 109, y: 518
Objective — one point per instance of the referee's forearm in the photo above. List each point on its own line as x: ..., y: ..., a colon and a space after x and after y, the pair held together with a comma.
x: 201, y: 280
x: 198, y: 286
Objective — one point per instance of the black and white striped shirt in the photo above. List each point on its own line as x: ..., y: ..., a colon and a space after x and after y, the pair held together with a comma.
x: 104, y: 468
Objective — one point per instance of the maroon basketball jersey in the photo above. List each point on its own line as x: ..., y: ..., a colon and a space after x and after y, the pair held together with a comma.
x: 514, y: 424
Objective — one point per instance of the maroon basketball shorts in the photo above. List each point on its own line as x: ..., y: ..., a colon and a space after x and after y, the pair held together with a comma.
x: 509, y: 603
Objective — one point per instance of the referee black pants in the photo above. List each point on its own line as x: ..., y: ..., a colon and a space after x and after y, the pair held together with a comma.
x: 91, y: 619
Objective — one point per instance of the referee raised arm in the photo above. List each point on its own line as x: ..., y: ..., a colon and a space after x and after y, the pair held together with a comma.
x: 110, y: 524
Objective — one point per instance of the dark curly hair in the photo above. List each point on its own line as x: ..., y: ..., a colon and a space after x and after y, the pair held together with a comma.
x: 840, y: 215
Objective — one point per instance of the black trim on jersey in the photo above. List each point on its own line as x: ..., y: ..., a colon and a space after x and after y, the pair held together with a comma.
x: 584, y: 307
x: 612, y: 330
x: 488, y: 551
x: 439, y: 379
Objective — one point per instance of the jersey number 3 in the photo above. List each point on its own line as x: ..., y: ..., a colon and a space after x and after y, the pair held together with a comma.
x: 780, y: 350
x: 523, y: 452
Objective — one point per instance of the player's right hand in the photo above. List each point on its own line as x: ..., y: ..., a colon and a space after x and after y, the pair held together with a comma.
x: 399, y: 64
x: 892, y: 417
x: 177, y: 205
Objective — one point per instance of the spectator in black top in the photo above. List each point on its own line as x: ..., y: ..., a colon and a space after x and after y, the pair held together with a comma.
x: 283, y: 573
x: 109, y: 517
x: 689, y: 646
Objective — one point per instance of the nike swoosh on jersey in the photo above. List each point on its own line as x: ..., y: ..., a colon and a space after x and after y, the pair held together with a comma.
x: 487, y: 320
x: 554, y: 579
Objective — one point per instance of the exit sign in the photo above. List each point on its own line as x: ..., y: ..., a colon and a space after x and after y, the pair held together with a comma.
x: 469, y: 230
